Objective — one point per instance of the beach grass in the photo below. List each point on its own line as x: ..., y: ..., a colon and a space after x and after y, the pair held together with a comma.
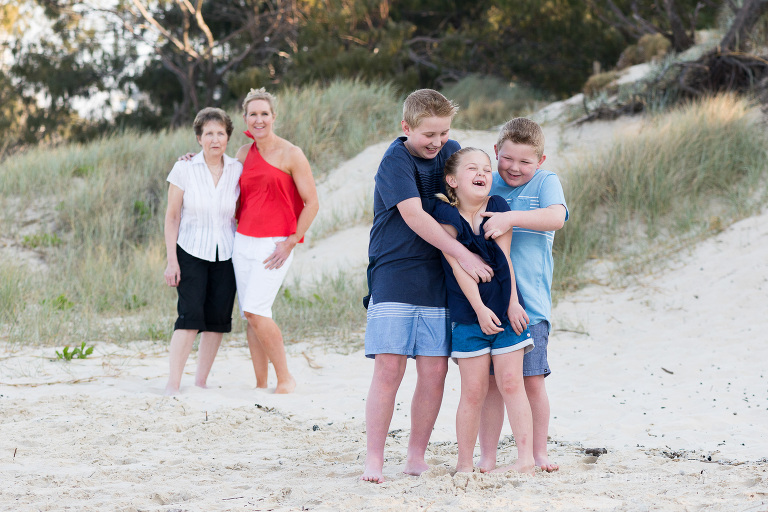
x: 691, y: 171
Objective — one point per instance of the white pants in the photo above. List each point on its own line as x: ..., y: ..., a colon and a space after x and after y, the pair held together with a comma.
x: 257, y: 287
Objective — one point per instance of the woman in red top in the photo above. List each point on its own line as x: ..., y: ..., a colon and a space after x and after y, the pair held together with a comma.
x: 278, y: 202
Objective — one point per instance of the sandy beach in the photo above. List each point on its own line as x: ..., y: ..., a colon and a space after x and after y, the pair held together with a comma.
x: 659, y: 397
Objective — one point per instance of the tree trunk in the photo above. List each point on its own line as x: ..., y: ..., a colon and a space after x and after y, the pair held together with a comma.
x: 745, y: 20
x: 680, y: 39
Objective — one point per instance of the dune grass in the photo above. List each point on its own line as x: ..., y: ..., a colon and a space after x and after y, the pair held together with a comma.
x: 692, y: 171
x: 486, y: 102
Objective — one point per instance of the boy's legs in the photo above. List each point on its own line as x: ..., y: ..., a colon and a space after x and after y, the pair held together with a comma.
x: 474, y: 385
x: 388, y: 371
x: 425, y: 405
x: 508, y: 369
x: 535, y: 369
x: 491, y: 421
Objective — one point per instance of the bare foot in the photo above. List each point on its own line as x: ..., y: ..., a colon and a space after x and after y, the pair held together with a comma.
x: 171, y: 391
x: 465, y: 469
x: 545, y: 464
x: 415, y: 468
x: 517, y: 467
x: 202, y: 385
x: 286, y: 386
x: 374, y: 472
x: 486, y: 466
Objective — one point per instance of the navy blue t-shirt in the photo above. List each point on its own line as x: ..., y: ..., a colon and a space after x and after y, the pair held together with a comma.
x: 495, y: 294
x: 405, y: 268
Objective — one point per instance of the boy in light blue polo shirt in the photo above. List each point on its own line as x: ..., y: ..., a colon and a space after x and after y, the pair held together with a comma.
x: 538, y: 209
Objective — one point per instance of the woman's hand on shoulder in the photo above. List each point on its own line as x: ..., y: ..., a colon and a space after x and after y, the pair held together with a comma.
x: 187, y: 157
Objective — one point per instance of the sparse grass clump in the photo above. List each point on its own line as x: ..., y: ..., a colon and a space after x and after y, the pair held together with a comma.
x: 489, y: 101
x: 703, y: 160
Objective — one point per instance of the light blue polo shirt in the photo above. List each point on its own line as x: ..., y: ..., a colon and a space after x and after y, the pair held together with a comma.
x: 531, y: 251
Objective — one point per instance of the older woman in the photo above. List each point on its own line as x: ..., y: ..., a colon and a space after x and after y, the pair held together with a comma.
x: 278, y: 202
x: 199, y: 238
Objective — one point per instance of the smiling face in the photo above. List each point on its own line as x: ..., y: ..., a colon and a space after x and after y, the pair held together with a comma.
x: 259, y: 118
x: 517, y: 162
x: 426, y: 140
x: 213, y: 139
x: 472, y: 176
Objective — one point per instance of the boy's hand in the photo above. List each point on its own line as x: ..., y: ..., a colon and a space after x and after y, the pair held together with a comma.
x: 518, y: 318
x: 497, y: 224
x: 489, y: 322
x: 187, y: 157
x: 476, y: 267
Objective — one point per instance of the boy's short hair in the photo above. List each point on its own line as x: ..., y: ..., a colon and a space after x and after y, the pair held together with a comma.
x: 426, y: 103
x: 521, y: 130
x: 212, y: 114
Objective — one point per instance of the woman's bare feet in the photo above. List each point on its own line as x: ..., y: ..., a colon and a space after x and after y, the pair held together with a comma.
x: 545, y: 464
x: 374, y: 472
x: 465, y: 469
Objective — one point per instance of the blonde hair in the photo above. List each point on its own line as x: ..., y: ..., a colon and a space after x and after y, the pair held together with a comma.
x: 522, y: 131
x: 426, y: 103
x: 212, y: 114
x: 260, y: 94
x: 450, y: 169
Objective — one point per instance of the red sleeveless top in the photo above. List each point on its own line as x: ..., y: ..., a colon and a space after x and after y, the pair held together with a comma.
x: 270, y: 203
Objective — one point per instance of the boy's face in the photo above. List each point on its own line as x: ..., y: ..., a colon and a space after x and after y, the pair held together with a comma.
x: 426, y: 139
x: 517, y: 162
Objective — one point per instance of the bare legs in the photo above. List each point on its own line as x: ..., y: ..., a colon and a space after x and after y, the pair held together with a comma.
x: 474, y: 386
x: 493, y: 418
x: 388, y: 373
x: 265, y: 342
x: 181, y: 345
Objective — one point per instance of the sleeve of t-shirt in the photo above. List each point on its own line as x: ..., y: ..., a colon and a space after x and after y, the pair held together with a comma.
x: 178, y: 175
x: 444, y: 213
x: 497, y: 204
x: 551, y: 192
x: 395, y: 178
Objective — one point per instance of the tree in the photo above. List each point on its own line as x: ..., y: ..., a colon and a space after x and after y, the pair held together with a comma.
x: 200, y: 43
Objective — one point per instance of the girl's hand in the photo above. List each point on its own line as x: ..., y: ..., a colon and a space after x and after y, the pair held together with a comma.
x: 518, y: 318
x: 187, y: 157
x: 280, y: 254
x: 489, y: 322
x: 172, y: 274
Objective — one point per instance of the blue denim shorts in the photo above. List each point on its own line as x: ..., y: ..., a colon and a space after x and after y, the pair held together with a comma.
x: 535, y: 362
x: 406, y: 329
x: 470, y: 341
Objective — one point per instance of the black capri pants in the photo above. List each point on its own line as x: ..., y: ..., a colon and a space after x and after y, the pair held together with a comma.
x: 206, y: 293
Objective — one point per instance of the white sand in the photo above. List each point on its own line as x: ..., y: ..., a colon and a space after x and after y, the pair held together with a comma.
x: 668, y: 374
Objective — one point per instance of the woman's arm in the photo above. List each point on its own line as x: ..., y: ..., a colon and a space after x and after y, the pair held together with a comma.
x: 518, y: 318
x: 172, y: 221
x: 305, y: 184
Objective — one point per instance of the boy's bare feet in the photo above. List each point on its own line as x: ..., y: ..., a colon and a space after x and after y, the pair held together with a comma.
x: 517, y: 467
x: 171, y: 391
x: 374, y: 472
x: 286, y: 386
x: 415, y: 468
x: 486, y: 465
x: 466, y: 469
x: 545, y: 464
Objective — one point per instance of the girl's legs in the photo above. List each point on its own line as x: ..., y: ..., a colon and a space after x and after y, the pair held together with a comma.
x: 425, y: 405
x: 268, y: 336
x: 181, y: 345
x: 206, y: 353
x: 509, y: 379
x: 474, y: 386
x: 388, y: 371
x: 491, y: 421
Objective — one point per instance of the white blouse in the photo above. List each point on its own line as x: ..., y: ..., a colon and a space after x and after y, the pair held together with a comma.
x: 207, y: 211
